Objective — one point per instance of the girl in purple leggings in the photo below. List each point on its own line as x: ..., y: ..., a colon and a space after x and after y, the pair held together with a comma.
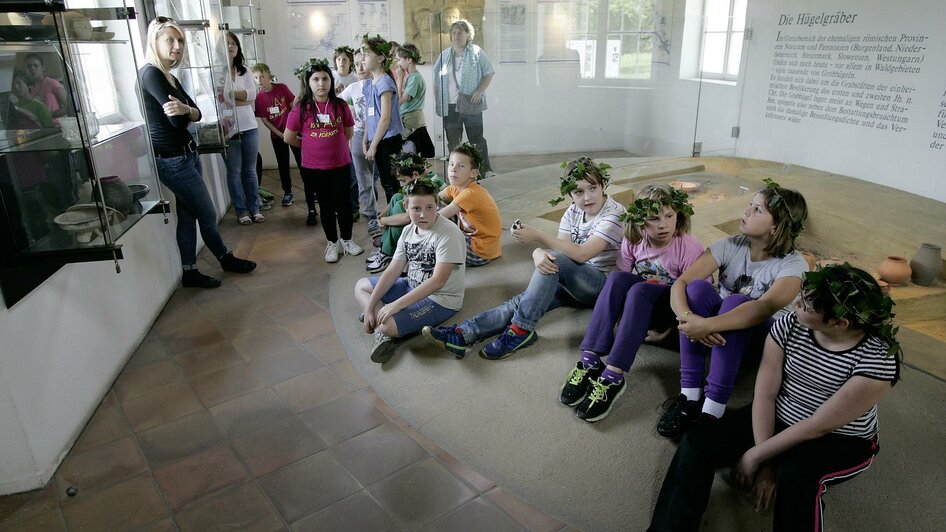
x: 656, y: 249
x: 760, y: 274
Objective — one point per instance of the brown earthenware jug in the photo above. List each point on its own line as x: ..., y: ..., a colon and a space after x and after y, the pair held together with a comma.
x: 894, y: 270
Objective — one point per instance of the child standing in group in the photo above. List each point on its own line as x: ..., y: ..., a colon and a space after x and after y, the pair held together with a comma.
x: 432, y: 248
x: 760, y: 274
x: 411, y: 91
x: 569, y: 270
x: 273, y: 103
x: 813, y: 421
x: 344, y: 74
x: 408, y: 167
x: 324, y: 123
x: 383, y: 125
x: 365, y: 175
x: 476, y: 212
x: 656, y: 250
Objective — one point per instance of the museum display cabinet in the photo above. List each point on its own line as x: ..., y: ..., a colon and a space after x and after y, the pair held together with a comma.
x: 76, y: 167
x: 205, y: 72
x: 244, y: 22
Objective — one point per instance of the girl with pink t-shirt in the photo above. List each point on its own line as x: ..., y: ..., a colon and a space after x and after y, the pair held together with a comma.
x: 322, y: 124
x: 657, y: 248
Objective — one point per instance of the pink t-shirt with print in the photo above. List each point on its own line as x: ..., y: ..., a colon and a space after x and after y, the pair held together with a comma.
x: 275, y: 105
x: 324, y: 145
x: 662, y: 265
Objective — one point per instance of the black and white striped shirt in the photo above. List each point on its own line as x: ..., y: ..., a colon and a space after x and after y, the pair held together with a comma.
x: 812, y: 374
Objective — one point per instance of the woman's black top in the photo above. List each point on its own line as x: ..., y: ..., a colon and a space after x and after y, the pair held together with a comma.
x: 169, y: 134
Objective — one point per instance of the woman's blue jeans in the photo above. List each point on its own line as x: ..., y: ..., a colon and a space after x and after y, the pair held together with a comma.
x: 184, y: 177
x: 241, y: 172
x: 573, y: 284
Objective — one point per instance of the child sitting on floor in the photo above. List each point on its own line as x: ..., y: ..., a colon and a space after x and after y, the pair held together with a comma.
x: 476, y: 212
x: 813, y: 421
x: 407, y: 167
x: 569, y: 270
x: 657, y: 248
x: 433, y: 250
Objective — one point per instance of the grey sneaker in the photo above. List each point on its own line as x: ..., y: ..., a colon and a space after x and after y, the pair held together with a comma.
x: 351, y: 248
x: 332, y: 250
x: 383, y: 348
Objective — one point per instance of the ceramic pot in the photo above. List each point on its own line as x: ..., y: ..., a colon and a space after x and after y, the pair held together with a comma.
x: 927, y: 264
x: 894, y: 270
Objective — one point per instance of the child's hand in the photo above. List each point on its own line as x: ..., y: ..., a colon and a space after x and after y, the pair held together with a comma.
x: 745, y: 469
x: 524, y: 233
x: 339, y: 88
x: 370, y: 152
x: 544, y: 262
x: 696, y: 328
x: 371, y: 321
x: 388, y: 311
x: 763, y: 489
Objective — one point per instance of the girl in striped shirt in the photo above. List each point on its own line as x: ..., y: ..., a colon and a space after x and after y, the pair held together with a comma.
x: 814, y: 418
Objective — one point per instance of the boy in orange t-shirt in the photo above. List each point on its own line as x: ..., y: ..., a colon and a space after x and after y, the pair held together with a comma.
x: 476, y: 212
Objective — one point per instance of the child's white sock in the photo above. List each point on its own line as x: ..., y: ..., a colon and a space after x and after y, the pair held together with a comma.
x: 693, y: 394
x: 713, y: 408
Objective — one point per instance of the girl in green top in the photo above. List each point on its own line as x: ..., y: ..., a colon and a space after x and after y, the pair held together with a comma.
x: 411, y: 90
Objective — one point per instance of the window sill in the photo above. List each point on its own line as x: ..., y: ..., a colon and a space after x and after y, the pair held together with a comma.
x: 724, y: 82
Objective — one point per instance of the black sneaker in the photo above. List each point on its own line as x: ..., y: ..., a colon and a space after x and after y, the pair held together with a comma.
x: 598, y: 404
x: 577, y: 383
x: 383, y: 349
x: 678, y: 417
x: 229, y: 263
x: 195, y: 279
x: 312, y: 219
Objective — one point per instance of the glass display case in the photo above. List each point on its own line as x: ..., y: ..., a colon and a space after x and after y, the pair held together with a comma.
x: 244, y: 22
x: 205, y: 71
x: 76, y: 168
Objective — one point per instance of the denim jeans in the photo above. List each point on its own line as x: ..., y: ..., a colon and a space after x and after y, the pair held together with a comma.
x: 454, y: 124
x: 241, y: 172
x: 183, y: 176
x: 574, y: 284
x: 365, y: 175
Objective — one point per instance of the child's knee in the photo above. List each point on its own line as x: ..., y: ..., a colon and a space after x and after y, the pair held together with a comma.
x: 363, y: 285
x: 388, y: 328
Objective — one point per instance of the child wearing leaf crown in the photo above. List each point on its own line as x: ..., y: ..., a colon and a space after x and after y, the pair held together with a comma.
x: 344, y: 72
x: 321, y: 123
x: 656, y: 250
x: 813, y: 421
x: 760, y: 273
x: 476, y: 211
x: 411, y: 92
x: 383, y: 120
x: 408, y: 167
x: 570, y: 269
x: 432, y: 250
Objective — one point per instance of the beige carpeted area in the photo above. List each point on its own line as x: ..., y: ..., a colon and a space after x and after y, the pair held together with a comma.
x: 503, y: 419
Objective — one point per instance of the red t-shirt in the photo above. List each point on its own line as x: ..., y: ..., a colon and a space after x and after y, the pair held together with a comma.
x: 275, y: 105
x: 324, y: 145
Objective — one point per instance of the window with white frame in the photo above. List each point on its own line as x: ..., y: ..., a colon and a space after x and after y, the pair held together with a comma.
x: 723, y: 33
x: 614, y: 38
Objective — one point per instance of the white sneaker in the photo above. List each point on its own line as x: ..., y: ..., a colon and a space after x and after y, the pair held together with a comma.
x: 331, y: 251
x: 489, y: 174
x: 373, y: 256
x: 351, y: 248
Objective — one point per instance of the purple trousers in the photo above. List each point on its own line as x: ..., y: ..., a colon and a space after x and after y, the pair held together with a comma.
x: 635, y: 306
x: 705, y: 301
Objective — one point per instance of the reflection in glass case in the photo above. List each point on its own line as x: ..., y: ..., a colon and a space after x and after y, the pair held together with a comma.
x: 244, y: 22
x: 204, y: 73
x: 76, y: 169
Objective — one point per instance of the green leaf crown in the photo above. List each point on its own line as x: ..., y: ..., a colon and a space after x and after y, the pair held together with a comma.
x: 309, y: 65
x: 382, y: 46
x: 643, y: 208
x: 408, y: 160
x: 569, y: 180
x: 776, y: 199
x: 423, y: 180
x: 854, y: 297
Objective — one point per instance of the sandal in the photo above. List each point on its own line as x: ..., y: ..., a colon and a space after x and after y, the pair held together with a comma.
x: 246, y: 220
x: 258, y: 218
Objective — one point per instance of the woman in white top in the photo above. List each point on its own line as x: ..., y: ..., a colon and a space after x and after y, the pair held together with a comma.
x: 242, y: 180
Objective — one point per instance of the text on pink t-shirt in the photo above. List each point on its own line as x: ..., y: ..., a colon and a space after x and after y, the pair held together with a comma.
x: 663, y: 265
x: 275, y: 105
x: 324, y: 145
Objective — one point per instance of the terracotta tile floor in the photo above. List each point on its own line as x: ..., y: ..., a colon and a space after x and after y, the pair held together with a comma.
x: 240, y: 411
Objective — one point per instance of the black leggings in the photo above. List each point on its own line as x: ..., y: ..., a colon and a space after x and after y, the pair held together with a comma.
x: 382, y: 158
x: 281, y: 150
x: 334, y: 190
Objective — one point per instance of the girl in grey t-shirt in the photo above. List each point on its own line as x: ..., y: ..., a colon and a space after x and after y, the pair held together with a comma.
x: 759, y: 275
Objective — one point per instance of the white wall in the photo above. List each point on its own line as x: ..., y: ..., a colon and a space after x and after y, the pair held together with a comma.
x: 901, y: 160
